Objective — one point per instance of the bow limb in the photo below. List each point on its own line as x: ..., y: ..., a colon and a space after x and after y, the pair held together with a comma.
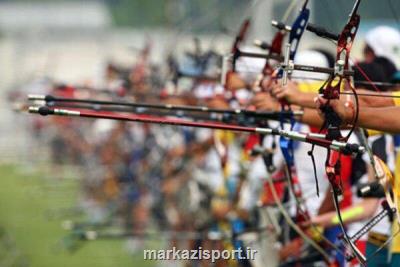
x: 293, y: 225
x: 305, y: 214
x: 277, y: 41
x: 356, y: 252
x: 297, y: 29
x: 235, y: 51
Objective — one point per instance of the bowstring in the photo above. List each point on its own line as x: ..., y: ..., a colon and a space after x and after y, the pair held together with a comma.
x: 362, y: 72
x: 373, y: 95
x: 289, y: 11
x: 354, y: 62
x: 369, y: 80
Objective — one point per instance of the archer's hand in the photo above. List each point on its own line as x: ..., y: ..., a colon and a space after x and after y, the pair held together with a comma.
x: 289, y: 92
x: 343, y: 109
x: 267, y: 83
x: 234, y: 82
x: 317, y: 221
x: 292, y: 249
x: 264, y: 101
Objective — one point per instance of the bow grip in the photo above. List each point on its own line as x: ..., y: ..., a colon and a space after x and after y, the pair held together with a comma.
x: 333, y: 122
x: 298, y: 28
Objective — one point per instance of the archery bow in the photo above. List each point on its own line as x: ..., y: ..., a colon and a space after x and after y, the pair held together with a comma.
x: 286, y: 145
x: 296, y: 31
x: 332, y: 90
x: 332, y: 124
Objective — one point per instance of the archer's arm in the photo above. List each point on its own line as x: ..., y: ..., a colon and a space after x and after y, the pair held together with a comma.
x: 311, y: 117
x: 234, y: 82
x: 375, y: 101
x: 264, y: 101
x: 293, y: 95
x: 385, y: 119
x: 358, y: 212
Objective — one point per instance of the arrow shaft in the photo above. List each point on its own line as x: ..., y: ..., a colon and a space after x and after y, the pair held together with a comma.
x: 316, y: 139
x: 51, y: 99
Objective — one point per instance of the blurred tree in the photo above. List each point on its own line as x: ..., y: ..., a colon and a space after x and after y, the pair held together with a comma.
x: 196, y: 15
x: 138, y: 13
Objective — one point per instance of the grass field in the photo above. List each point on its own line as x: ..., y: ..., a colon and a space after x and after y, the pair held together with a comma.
x: 32, y: 237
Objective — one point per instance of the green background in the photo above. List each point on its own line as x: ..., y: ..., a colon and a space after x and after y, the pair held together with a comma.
x: 28, y: 237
